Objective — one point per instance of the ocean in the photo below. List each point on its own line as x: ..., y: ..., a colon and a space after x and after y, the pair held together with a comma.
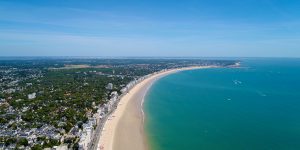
x: 254, y: 107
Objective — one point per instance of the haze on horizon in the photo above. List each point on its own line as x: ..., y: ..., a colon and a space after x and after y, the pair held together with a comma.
x: 219, y: 28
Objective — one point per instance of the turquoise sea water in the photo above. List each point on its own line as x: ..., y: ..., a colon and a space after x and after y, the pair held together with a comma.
x: 256, y: 107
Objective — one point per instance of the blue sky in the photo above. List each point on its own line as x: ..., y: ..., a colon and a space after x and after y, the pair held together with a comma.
x: 198, y: 28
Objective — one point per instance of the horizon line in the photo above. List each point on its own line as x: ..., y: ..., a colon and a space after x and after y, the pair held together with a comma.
x: 28, y: 56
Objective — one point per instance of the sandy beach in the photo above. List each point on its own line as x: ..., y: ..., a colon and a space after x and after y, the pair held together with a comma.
x: 124, y: 130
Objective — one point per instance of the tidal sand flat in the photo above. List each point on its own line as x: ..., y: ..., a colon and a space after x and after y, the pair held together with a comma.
x: 125, y: 129
x: 254, y: 107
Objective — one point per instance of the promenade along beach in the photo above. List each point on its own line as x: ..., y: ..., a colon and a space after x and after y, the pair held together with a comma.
x: 124, y: 130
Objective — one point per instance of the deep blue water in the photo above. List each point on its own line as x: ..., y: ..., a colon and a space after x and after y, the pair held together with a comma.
x: 255, y: 107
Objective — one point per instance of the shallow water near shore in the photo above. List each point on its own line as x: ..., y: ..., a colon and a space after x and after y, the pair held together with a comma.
x: 256, y: 106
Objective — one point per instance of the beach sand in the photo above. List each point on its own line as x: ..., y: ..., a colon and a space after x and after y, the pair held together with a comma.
x: 125, y: 130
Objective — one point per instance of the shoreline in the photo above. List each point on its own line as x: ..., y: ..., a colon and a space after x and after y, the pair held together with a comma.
x: 124, y: 128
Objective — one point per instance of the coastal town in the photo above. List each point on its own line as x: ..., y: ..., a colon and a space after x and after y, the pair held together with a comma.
x: 63, y: 103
